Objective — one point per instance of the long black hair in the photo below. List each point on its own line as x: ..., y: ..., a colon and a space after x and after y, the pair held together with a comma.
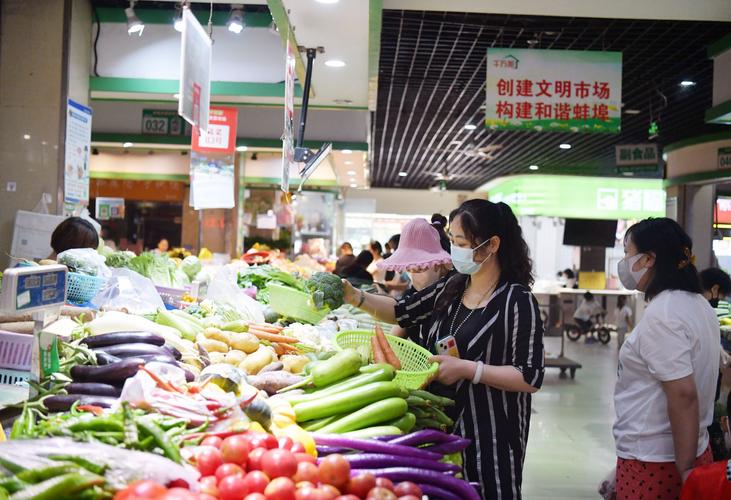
x: 480, y: 221
x: 439, y: 222
x: 674, y: 268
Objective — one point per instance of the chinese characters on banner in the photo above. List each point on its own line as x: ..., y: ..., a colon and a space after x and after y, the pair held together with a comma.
x: 553, y: 90
x: 212, y: 161
x: 288, y: 134
x: 76, y: 164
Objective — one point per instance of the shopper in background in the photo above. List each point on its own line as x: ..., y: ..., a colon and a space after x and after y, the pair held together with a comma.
x: 587, y: 310
x: 716, y: 285
x: 376, y: 251
x: 439, y: 222
x: 357, y: 273
x: 624, y: 319
x: 668, y: 367
x: 344, y: 262
x: 488, y: 309
x: 570, y: 278
x: 345, y: 249
x: 73, y: 232
x: 395, y: 283
x: 162, y: 247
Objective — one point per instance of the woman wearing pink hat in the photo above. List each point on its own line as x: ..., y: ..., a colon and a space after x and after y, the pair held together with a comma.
x: 489, y: 313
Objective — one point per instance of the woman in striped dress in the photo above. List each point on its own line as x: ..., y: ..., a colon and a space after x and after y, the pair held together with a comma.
x: 489, y: 311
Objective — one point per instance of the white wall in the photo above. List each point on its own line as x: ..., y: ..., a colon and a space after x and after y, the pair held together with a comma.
x: 409, y: 201
x: 695, y: 159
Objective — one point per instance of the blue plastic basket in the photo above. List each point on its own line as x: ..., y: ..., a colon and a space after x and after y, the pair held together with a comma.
x: 82, y: 288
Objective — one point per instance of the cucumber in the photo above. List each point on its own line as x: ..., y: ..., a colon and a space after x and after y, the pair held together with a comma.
x: 374, y: 413
x: 346, y: 401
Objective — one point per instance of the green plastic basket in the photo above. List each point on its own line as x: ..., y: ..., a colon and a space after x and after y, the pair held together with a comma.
x: 416, y: 371
x: 294, y: 304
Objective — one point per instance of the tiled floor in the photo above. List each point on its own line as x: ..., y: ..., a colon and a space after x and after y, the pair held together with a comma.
x: 570, y: 447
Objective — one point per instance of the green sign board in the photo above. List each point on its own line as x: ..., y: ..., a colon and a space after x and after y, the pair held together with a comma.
x: 724, y: 157
x: 162, y: 122
x: 553, y: 90
x: 580, y: 197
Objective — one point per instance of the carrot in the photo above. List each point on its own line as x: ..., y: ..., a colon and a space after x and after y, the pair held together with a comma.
x: 273, y: 337
x: 287, y: 348
x: 378, y: 356
x: 266, y: 327
x: 388, y: 353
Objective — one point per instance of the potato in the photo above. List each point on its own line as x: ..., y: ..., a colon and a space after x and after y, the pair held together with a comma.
x: 216, y: 334
x: 217, y: 357
x: 212, y: 346
x: 294, y: 363
x: 235, y: 357
x: 257, y: 360
x: 244, y: 342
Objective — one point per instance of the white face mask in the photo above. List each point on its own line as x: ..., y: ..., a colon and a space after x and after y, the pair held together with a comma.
x: 463, y: 259
x: 627, y: 276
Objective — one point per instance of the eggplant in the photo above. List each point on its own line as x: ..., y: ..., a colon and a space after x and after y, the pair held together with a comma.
x: 64, y: 402
x: 160, y: 358
x: 133, y: 349
x: 93, y: 389
x: 172, y: 351
x: 113, y: 373
x: 102, y: 358
x: 116, y: 338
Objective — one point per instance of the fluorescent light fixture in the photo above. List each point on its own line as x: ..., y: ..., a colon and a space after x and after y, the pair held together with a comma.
x: 26, y: 137
x: 354, y: 185
x: 235, y: 23
x: 351, y: 172
x: 533, y: 167
x: 564, y: 146
x: 403, y: 174
x: 346, y: 151
x: 687, y: 83
x: 127, y: 145
x: 134, y: 25
x: 242, y: 148
x: 470, y: 126
x: 348, y: 162
x: 631, y: 111
x: 334, y: 63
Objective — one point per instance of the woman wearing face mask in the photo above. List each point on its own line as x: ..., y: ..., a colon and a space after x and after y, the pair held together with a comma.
x: 488, y: 309
x: 667, y: 368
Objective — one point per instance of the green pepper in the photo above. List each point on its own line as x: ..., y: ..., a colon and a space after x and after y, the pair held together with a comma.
x: 23, y: 426
x: 442, y: 417
x: 405, y: 423
x: 12, y: 484
x: 169, y: 448
x: 438, y: 400
x: 416, y: 401
x: 131, y: 437
x: 58, y: 487
x: 39, y: 474
x: 92, y: 467
x: 89, y: 422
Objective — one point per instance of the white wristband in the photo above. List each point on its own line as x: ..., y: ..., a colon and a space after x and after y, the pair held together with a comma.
x: 478, y: 373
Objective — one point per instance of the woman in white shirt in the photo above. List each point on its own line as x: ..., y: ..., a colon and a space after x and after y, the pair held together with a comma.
x: 667, y: 367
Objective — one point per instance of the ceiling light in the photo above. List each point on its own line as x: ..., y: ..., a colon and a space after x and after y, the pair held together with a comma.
x: 348, y: 162
x: 127, y: 145
x: 335, y: 63
x: 134, y: 25
x: 533, y: 167
x: 354, y: 185
x: 564, y: 146
x: 242, y: 148
x: 455, y: 143
x: 470, y: 126
x: 631, y: 111
x: 346, y: 151
x: 178, y: 19
x: 26, y: 137
x: 328, y: 1
x: 235, y: 23
x: 351, y: 173
x: 403, y: 174
x: 687, y: 83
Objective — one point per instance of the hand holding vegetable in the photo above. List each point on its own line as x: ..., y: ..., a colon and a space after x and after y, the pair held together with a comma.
x: 452, y: 370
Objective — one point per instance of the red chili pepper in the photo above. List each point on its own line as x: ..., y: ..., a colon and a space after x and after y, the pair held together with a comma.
x: 197, y: 388
x: 162, y: 384
x: 96, y: 410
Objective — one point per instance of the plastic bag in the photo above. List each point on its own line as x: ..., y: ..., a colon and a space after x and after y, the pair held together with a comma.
x: 128, y: 291
x: 84, y: 261
x: 608, y: 487
x: 224, y: 290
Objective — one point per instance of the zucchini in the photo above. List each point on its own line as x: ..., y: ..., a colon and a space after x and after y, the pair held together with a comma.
x: 374, y: 413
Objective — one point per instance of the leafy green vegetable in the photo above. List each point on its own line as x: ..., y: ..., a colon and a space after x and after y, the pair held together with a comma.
x: 191, y: 266
x: 120, y: 259
x: 262, y: 276
x: 326, y: 290
x: 160, y: 269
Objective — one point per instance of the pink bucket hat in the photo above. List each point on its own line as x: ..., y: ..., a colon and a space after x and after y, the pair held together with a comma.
x: 419, y: 248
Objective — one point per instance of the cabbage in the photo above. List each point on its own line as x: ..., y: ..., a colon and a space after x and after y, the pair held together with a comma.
x: 191, y: 266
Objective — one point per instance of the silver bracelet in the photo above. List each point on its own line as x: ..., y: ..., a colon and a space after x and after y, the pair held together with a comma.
x: 362, y: 299
x: 478, y: 372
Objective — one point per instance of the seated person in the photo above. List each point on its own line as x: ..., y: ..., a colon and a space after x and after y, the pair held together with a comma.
x: 588, y: 308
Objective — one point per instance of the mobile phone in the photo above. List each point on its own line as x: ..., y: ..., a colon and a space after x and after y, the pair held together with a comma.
x: 447, y: 346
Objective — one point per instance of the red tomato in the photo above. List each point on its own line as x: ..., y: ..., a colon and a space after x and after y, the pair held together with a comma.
x: 305, y: 457
x: 279, y: 463
x: 255, y: 458
x: 214, y: 441
x: 271, y: 442
x: 361, y: 484
x: 257, y: 439
x: 297, y: 448
x: 179, y: 494
x: 285, y: 443
x: 256, y: 481
x: 209, y: 485
x: 178, y: 483
x: 255, y: 496
x: 407, y: 488
x: 382, y: 482
x: 235, y: 450
x: 347, y: 497
x: 146, y: 489
x: 409, y: 497
x: 306, y: 472
x: 329, y: 492
x: 380, y: 493
x: 305, y: 491
x: 232, y: 488
x: 226, y: 470
x: 208, y: 460
x: 335, y: 470
x: 281, y: 488
x: 206, y: 496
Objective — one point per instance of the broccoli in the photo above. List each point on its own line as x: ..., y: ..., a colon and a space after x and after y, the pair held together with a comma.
x: 326, y: 290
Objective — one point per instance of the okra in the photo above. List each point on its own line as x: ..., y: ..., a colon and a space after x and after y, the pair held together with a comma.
x: 430, y: 423
x: 405, y: 423
x: 442, y: 417
x: 438, y: 400
x: 416, y: 401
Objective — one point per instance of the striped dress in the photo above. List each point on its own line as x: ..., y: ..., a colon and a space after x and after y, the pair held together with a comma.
x: 507, y: 331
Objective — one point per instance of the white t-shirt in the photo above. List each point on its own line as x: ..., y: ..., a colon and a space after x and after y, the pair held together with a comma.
x: 677, y: 337
x: 587, y: 309
x: 623, y: 315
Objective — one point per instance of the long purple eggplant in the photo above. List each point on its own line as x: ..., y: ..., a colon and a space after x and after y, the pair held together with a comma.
x: 374, y: 446
x: 424, y: 437
x: 113, y: 373
x: 420, y: 476
x: 450, y: 447
x: 330, y: 450
x: 116, y: 338
x: 134, y: 349
x: 93, y: 389
x: 102, y: 358
x: 380, y: 461
x: 64, y: 402
x: 436, y: 492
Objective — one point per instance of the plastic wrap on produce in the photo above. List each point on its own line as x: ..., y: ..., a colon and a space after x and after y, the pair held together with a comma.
x: 224, y: 290
x: 128, y: 291
x: 124, y: 466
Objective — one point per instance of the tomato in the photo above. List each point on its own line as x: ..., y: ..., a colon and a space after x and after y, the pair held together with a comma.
x: 146, y: 489
x: 279, y: 463
x: 179, y: 494
x: 281, y: 488
x: 214, y: 441
x: 409, y: 497
x: 297, y: 448
x: 209, y: 485
x: 305, y: 457
x: 255, y: 496
x: 206, y: 496
x: 235, y: 450
x: 178, y: 483
x: 334, y: 470
x: 285, y: 443
x: 232, y: 488
x: 381, y: 493
x: 226, y: 470
x: 407, y: 488
x: 306, y: 472
x: 257, y: 440
x: 255, y: 458
x: 361, y: 484
x: 329, y: 492
x: 348, y: 497
x: 256, y: 481
x: 208, y: 460
x: 271, y: 442
x: 382, y: 482
x: 305, y: 491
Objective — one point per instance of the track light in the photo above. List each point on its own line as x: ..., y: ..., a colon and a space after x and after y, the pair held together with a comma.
x: 134, y: 25
x: 235, y: 21
x: 178, y: 19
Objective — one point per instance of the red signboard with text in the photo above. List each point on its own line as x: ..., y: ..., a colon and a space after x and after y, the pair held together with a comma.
x: 221, y: 135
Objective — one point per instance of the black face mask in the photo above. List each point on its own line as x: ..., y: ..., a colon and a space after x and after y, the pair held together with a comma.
x: 714, y: 302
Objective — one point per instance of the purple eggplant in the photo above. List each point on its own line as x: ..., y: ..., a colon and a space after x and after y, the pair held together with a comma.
x: 93, y: 389
x: 380, y: 461
x: 134, y: 349
x: 113, y: 373
x: 64, y: 402
x: 116, y: 338
x: 102, y: 358
x: 424, y: 437
x: 449, y: 447
x: 420, y: 476
x: 432, y: 491
x: 374, y: 446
